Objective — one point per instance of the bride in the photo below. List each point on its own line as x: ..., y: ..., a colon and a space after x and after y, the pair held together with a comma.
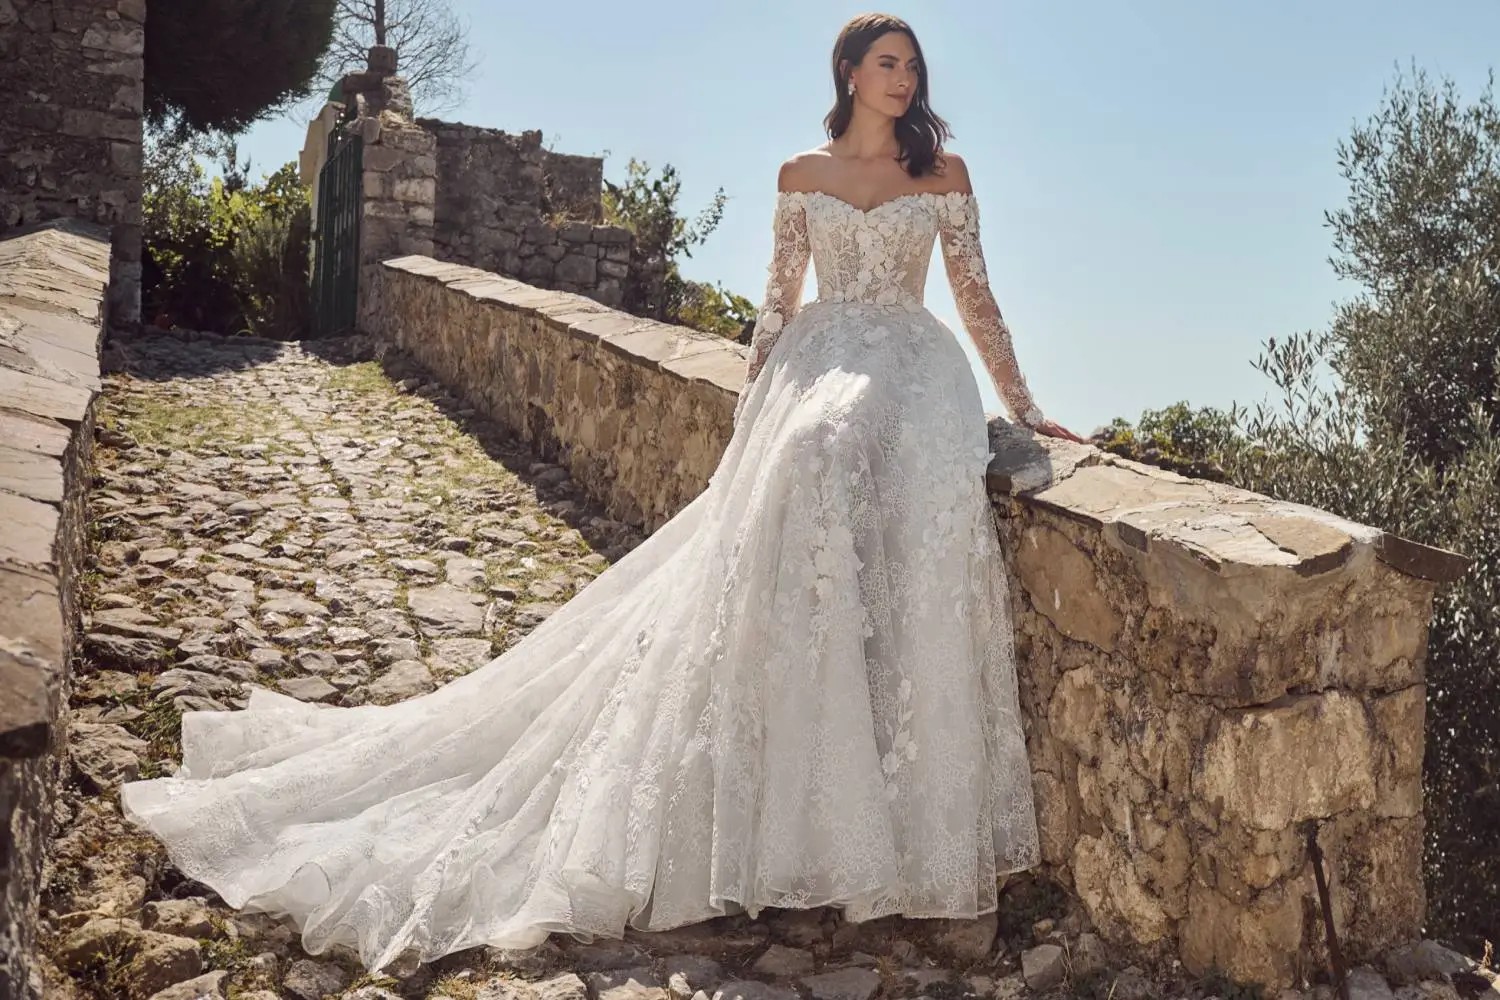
x: 798, y: 692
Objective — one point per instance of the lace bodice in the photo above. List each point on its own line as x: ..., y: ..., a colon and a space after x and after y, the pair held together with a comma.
x: 880, y: 255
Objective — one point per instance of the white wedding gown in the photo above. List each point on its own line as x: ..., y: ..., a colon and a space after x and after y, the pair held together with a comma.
x: 800, y: 691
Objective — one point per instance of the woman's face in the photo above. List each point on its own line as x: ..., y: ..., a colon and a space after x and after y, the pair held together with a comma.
x: 886, y: 79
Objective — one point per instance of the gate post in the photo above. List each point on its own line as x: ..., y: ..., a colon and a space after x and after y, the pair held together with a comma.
x: 398, y: 179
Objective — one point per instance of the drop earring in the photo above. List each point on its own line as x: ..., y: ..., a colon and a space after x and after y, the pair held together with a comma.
x: 851, y: 86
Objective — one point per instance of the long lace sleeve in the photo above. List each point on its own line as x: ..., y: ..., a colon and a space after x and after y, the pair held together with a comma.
x: 963, y: 257
x: 788, y: 269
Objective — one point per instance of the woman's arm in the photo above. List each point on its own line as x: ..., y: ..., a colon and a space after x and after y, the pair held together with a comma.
x: 963, y: 257
x: 785, y: 275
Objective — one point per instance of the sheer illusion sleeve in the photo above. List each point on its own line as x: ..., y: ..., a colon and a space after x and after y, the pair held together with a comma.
x: 958, y: 228
x: 788, y: 269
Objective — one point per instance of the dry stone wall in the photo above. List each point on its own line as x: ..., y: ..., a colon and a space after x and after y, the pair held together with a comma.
x: 52, y: 288
x: 1208, y: 676
x: 507, y: 205
x: 1211, y: 677
x: 639, y: 411
x: 70, y: 135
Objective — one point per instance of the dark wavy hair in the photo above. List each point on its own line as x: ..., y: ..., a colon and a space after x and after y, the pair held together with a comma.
x: 919, y: 131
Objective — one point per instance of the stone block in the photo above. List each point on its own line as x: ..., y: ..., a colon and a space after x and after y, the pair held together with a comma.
x: 577, y: 269
x: 1309, y: 757
x: 1255, y: 940
x: 126, y: 38
x: 376, y: 186
x: 419, y: 190
x: 101, y: 125
x: 1065, y: 587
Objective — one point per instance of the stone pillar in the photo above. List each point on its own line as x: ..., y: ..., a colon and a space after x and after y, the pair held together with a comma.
x: 399, y: 172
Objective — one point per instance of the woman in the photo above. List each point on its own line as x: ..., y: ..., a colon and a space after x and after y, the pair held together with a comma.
x: 798, y: 692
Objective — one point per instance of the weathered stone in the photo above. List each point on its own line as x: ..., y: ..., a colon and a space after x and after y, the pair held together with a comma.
x: 1043, y: 966
x: 231, y: 583
x: 371, y: 993
x: 749, y: 989
x: 183, y: 917
x: 445, y: 610
x: 967, y: 941
x: 844, y: 984
x: 1424, y: 960
x: 1367, y: 984
x: 1065, y: 589
x: 699, y: 971
x: 1088, y: 957
x: 389, y: 651
x: 131, y: 654
x: 403, y: 679
x: 639, y: 983
x: 163, y: 962
x: 1312, y: 756
x: 209, y: 986
x: 310, y: 980
x: 564, y: 987
x: 155, y: 961
x: 781, y: 961
x: 421, y: 567
x: 1009, y: 987
x: 294, y: 606
x: 106, y: 755
x: 1132, y: 984
x: 1251, y: 940
x: 1113, y: 889
x: 309, y: 689
x: 923, y: 980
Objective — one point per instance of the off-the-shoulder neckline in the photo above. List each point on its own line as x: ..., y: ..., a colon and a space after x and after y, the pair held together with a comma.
x: 788, y: 195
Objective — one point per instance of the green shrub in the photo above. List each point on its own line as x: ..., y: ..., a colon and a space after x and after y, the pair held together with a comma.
x: 1391, y: 417
x: 223, y: 254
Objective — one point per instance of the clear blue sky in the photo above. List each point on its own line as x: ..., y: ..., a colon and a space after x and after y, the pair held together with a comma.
x: 1152, y: 174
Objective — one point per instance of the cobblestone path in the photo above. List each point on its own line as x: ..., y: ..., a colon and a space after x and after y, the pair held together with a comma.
x: 343, y: 531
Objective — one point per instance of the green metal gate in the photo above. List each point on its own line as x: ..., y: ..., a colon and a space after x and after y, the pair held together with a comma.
x: 336, y: 262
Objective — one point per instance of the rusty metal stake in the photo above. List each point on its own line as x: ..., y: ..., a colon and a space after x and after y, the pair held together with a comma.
x: 1340, y: 971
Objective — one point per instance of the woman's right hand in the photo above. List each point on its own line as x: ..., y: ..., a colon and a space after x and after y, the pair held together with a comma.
x: 1052, y: 428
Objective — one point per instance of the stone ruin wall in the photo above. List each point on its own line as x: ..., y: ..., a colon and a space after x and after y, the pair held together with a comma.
x: 1206, y: 674
x: 476, y: 196
x: 507, y: 205
x: 70, y: 135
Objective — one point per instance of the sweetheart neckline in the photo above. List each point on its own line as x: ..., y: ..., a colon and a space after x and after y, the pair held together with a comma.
x: 875, y: 208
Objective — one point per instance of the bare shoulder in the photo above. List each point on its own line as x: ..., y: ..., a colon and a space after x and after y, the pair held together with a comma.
x: 952, y: 174
x: 802, y: 171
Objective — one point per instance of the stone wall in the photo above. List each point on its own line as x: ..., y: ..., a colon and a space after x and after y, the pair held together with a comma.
x: 638, y: 410
x: 52, y: 288
x: 507, y: 205
x: 70, y: 135
x: 1208, y: 675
